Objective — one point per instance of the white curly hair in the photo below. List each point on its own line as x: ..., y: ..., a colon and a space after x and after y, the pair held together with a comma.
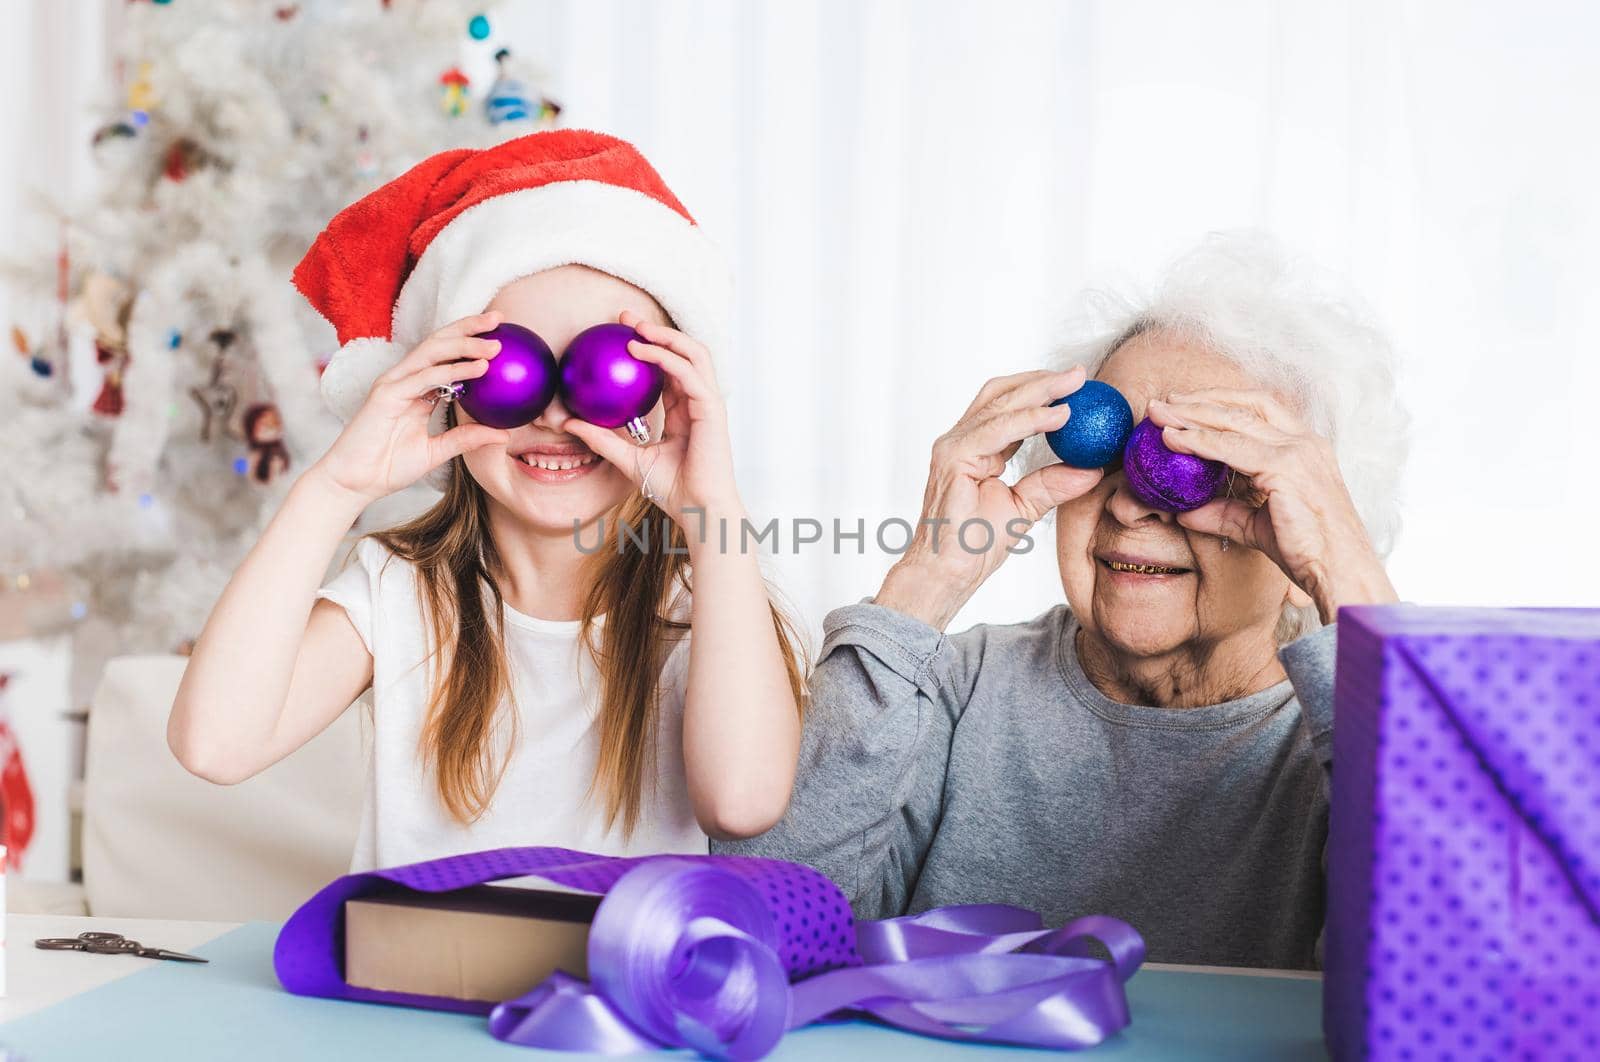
x: 1298, y: 332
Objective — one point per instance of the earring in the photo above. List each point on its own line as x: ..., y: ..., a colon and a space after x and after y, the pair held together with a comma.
x: 1224, y: 547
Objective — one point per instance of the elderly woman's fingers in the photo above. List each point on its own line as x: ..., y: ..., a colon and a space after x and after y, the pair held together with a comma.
x: 1249, y: 455
x: 1045, y: 488
x: 1219, y: 415
x: 1042, y: 390
x: 1226, y: 518
x: 1263, y: 404
x: 1038, y: 387
x: 1001, y: 384
x: 1004, y: 430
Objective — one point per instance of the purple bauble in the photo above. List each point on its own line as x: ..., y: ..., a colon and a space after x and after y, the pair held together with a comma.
x: 602, y: 383
x: 519, y: 383
x: 1165, y: 479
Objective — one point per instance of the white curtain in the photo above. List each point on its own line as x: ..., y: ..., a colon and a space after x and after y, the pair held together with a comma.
x: 911, y: 192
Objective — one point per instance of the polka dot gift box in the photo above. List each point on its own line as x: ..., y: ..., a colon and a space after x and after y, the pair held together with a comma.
x: 1464, y: 844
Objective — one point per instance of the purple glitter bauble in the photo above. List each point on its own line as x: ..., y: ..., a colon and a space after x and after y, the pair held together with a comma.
x: 1164, y: 479
x: 602, y: 383
x: 519, y: 383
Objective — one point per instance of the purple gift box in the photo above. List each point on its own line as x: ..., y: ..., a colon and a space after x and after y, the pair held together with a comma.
x: 1464, y: 844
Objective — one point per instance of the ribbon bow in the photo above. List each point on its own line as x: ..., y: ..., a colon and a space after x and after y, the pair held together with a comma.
x: 683, y: 953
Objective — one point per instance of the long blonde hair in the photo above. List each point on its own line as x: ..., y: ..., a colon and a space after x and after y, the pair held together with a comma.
x: 634, y: 588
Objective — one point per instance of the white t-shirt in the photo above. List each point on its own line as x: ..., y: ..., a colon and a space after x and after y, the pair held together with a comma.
x: 543, y: 797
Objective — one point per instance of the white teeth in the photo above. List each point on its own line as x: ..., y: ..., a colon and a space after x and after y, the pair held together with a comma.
x: 555, y: 464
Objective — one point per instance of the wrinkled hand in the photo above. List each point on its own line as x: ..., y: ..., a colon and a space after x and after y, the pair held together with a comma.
x: 943, y: 567
x: 1301, y: 514
x: 386, y: 446
x: 691, y: 465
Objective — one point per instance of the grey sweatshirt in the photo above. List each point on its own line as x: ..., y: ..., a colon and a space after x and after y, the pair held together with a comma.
x: 984, y: 767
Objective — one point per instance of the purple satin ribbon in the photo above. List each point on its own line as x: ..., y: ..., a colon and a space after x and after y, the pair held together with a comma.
x: 725, y: 954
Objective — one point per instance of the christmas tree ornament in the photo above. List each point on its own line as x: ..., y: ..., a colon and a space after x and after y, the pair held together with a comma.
x: 216, y: 399
x: 38, y: 364
x: 1165, y: 479
x: 183, y: 158
x: 109, y: 402
x: 478, y: 27
x: 519, y: 382
x: 16, y: 793
x: 1098, y: 429
x: 263, y: 432
x: 453, y: 91
x: 602, y: 383
x: 116, y: 130
x: 141, y: 93
x: 508, y: 99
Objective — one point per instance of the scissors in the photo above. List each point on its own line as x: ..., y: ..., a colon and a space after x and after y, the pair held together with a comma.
x: 111, y: 944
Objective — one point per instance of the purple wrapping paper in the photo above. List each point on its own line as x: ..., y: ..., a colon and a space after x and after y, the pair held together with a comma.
x: 724, y: 954
x: 1464, y: 842
x: 309, y: 955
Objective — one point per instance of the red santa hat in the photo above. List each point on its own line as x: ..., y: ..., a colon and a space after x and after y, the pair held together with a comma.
x: 438, y: 242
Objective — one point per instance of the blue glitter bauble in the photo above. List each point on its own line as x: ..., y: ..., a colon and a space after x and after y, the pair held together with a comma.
x: 478, y: 27
x: 1098, y: 430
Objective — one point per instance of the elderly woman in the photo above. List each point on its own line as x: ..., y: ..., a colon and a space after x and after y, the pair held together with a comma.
x: 1158, y: 748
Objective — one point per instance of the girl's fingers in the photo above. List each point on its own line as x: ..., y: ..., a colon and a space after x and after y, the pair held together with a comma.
x: 677, y: 342
x: 1248, y: 455
x: 463, y: 438
x: 608, y: 444
x: 435, y: 351
x: 421, y: 384
x: 470, y: 326
x: 676, y: 366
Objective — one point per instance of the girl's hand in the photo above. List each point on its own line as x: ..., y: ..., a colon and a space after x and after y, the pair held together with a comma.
x: 1301, y: 514
x: 386, y: 446
x: 691, y: 465
x: 945, y: 565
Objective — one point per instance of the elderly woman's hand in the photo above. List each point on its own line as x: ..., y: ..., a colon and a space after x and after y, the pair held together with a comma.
x: 971, y: 518
x: 1301, y: 514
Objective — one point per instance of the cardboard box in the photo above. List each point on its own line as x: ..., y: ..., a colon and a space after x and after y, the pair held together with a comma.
x: 486, y: 943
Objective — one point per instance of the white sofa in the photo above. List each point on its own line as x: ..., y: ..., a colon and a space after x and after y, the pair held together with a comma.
x: 161, y: 843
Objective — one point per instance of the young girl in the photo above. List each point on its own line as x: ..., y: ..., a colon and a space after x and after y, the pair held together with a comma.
x: 525, y: 690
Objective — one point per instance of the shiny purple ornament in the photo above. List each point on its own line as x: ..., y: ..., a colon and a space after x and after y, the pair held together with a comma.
x: 519, y: 383
x: 1165, y: 479
x: 604, y: 384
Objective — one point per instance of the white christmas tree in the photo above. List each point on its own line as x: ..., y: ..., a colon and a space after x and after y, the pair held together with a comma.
x: 238, y: 129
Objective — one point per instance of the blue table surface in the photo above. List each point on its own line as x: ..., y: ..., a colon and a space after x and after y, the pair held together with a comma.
x: 234, y: 1008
